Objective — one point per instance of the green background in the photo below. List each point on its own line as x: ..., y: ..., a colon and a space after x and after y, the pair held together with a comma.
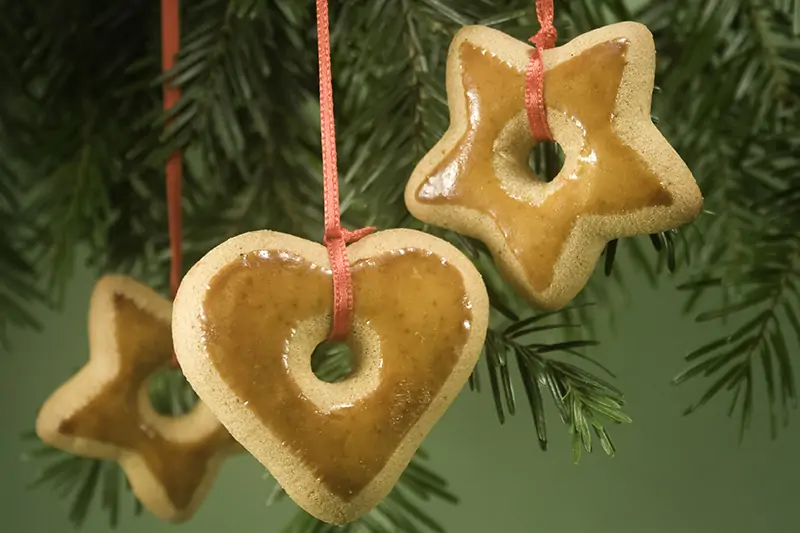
x: 671, y: 474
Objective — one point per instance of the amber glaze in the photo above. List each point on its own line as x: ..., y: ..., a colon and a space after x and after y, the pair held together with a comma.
x: 112, y: 417
x: 412, y: 300
x: 610, y: 177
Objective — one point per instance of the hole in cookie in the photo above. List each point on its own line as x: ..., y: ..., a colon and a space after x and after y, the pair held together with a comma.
x: 332, y: 362
x: 170, y: 394
x: 546, y: 159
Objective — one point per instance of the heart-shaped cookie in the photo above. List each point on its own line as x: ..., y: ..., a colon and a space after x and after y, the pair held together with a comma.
x: 249, y: 315
x: 104, y: 410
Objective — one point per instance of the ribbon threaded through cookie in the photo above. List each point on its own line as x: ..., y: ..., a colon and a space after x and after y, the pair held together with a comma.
x: 336, y: 237
x: 170, y: 44
x: 534, y: 76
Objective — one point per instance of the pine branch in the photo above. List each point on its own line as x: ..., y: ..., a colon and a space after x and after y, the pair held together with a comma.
x: 757, y: 279
x: 582, y: 16
x: 770, y: 300
x: 66, y: 120
x: 18, y: 279
x: 584, y: 402
x: 740, y: 65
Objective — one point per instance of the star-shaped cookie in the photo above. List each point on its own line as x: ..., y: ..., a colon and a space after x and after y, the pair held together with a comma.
x: 620, y: 176
x: 104, y: 411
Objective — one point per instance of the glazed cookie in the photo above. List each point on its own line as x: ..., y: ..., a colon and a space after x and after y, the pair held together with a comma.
x: 249, y: 315
x: 104, y: 411
x: 620, y: 177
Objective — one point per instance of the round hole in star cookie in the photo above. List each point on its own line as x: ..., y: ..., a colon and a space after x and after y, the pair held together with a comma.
x: 546, y: 160
x: 332, y: 362
x: 170, y: 394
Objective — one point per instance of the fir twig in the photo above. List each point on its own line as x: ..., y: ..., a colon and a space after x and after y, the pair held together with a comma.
x: 584, y: 402
x: 769, y: 300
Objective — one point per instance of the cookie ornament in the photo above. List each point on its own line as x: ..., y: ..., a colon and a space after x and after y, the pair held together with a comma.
x: 592, y: 96
x: 248, y: 315
x: 104, y: 411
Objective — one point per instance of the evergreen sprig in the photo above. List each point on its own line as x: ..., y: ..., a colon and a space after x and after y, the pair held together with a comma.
x: 81, y: 479
x: 18, y: 279
x: 584, y: 402
x: 760, y: 301
x: 743, y: 143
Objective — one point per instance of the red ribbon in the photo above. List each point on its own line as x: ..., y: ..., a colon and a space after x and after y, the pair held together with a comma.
x: 534, y: 76
x: 170, y: 44
x: 336, y: 237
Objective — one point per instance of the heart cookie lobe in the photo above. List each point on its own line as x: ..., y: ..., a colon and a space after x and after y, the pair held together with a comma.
x: 250, y: 314
x: 620, y: 176
x: 104, y: 410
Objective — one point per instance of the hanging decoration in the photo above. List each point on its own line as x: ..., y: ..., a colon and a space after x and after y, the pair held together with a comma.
x: 249, y: 314
x: 104, y: 411
x: 592, y: 96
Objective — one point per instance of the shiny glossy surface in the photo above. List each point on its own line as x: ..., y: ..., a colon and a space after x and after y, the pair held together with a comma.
x: 145, y: 346
x: 412, y: 301
x: 609, y: 178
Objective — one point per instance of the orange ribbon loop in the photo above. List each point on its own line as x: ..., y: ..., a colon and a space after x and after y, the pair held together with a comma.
x: 336, y: 237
